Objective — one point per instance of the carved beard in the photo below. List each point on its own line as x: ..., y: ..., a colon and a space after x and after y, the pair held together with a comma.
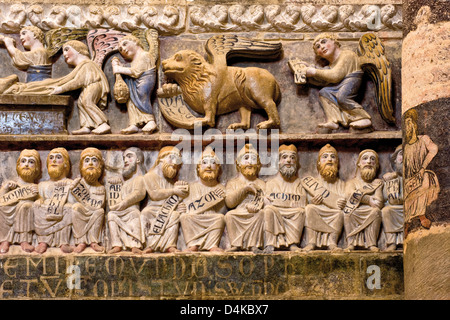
x: 287, y: 172
x: 329, y: 172
x: 208, y: 175
x: 368, y: 173
x: 91, y: 176
x: 249, y: 171
x: 56, y: 173
x: 28, y: 174
x: 129, y: 171
x: 169, y: 170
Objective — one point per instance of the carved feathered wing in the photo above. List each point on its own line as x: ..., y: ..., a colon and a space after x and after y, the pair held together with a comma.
x: 150, y: 41
x: 373, y: 61
x: 224, y: 46
x: 102, y: 42
x: 56, y: 38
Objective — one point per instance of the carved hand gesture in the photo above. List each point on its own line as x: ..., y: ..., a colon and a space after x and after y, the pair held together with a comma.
x: 318, y: 198
x: 375, y: 203
x: 182, y: 208
x: 341, y: 203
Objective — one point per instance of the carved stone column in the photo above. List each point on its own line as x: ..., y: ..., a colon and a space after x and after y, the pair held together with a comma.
x: 425, y: 116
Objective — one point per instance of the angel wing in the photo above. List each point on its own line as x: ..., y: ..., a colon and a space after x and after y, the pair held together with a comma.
x: 56, y: 38
x: 102, y: 42
x: 224, y: 46
x: 150, y: 41
x: 373, y: 61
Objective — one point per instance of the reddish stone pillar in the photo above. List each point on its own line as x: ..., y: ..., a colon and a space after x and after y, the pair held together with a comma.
x: 426, y: 157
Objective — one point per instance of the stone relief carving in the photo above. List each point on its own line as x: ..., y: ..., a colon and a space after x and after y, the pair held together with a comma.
x: 212, y: 88
x: 52, y: 211
x: 88, y: 77
x: 161, y: 217
x: 154, y: 211
x: 203, y: 222
x: 124, y: 221
x: 284, y: 212
x: 362, y: 212
x: 392, y: 214
x: 140, y: 79
x: 172, y: 19
x: 341, y: 77
x: 245, y: 200
x: 16, y: 203
x: 88, y: 211
x: 326, y: 198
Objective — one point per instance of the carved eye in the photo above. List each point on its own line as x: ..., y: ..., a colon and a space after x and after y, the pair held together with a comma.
x: 178, y: 57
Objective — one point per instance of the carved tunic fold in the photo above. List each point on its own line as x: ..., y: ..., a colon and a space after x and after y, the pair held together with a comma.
x: 245, y: 229
x: 284, y: 219
x: 204, y: 229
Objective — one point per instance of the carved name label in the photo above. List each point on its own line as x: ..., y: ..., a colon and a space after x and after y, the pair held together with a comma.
x: 314, y: 187
x: 59, y: 198
x: 14, y: 196
x: 83, y: 195
x: 355, y: 199
x: 286, y: 200
x: 114, y: 193
x: 393, y: 189
x: 205, y: 202
x: 163, y: 215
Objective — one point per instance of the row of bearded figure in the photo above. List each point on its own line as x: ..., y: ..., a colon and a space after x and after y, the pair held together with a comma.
x: 146, y: 211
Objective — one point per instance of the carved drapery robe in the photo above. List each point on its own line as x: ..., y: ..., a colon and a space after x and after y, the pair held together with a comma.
x: 392, y: 213
x: 362, y: 225
x: 324, y: 223
x: 245, y: 229
x: 141, y: 83
x: 125, y: 225
x: 343, y: 80
x: 167, y: 238
x: 88, y: 76
x: 16, y: 219
x: 53, y: 232
x: 204, y: 228
x: 36, y: 62
x: 88, y: 214
x: 285, y: 217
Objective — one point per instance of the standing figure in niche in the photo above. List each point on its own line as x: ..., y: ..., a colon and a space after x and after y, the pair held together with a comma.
x: 284, y: 212
x: 326, y: 199
x: 421, y: 184
x: 86, y: 76
x: 245, y: 196
x: 88, y: 212
x: 35, y: 60
x: 53, y: 209
x: 161, y: 219
x: 341, y: 82
x: 203, y: 222
x: 362, y: 212
x: 16, y: 202
x: 140, y: 78
x: 392, y: 213
x: 124, y: 217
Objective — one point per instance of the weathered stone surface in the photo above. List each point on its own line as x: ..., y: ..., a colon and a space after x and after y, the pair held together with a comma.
x: 427, y: 264
x: 34, y: 114
x: 320, y: 275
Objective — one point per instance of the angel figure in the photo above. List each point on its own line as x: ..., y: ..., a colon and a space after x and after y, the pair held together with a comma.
x: 342, y: 78
x: 35, y: 60
x: 140, y: 77
x: 88, y: 77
